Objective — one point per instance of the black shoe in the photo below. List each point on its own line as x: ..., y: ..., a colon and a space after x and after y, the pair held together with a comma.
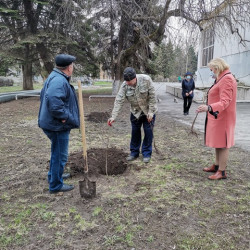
x: 64, y: 188
x: 146, y: 159
x: 66, y: 176
x: 131, y: 158
x: 185, y: 113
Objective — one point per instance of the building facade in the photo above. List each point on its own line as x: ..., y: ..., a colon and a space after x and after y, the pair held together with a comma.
x: 229, y: 47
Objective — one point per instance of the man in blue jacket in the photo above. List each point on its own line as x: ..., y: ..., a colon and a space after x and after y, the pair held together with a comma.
x: 58, y: 114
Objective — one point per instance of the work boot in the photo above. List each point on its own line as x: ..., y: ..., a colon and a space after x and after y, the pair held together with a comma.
x: 218, y: 175
x: 131, y: 158
x: 214, y: 168
x: 64, y: 188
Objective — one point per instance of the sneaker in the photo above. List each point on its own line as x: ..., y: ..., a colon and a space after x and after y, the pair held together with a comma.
x: 66, y: 176
x: 146, y: 159
x: 64, y: 188
x: 131, y: 158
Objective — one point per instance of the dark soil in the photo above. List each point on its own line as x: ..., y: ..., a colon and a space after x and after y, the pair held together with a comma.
x: 98, y: 117
x: 105, y: 161
x: 166, y: 204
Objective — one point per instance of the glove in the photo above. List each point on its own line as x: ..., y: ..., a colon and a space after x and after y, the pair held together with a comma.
x: 110, y: 121
x: 150, y: 117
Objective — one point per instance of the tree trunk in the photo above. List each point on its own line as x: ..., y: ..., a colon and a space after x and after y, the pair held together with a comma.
x: 27, y: 76
x: 112, y: 39
x: 44, y: 55
x: 119, y: 65
x: 117, y: 82
x: 125, y: 53
x: 27, y: 70
x: 115, y: 87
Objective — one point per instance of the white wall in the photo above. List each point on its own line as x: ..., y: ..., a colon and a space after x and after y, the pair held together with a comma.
x: 234, y: 53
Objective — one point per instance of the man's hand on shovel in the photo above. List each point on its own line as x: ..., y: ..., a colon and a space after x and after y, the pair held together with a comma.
x: 110, y: 121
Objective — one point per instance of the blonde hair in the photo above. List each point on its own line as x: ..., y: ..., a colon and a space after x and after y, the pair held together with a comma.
x: 218, y: 64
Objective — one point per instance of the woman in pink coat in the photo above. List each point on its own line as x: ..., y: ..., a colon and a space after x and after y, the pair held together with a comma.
x: 221, y: 116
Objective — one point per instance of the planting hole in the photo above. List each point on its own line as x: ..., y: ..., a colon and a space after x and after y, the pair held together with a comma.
x: 98, y: 159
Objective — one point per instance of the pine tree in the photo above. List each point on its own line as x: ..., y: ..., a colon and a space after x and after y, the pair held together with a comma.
x: 191, y: 60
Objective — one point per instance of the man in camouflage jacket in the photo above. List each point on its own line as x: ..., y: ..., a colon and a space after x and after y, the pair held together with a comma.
x: 138, y: 89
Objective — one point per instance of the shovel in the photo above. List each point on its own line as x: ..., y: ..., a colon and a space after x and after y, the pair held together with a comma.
x: 87, y: 187
x: 192, y: 127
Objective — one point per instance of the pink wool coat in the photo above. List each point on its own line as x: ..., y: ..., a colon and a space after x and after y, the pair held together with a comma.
x: 219, y: 133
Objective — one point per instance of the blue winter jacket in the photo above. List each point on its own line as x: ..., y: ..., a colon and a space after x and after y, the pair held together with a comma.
x: 58, y: 102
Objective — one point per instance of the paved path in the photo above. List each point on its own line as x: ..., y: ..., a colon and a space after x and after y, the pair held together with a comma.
x: 175, y: 111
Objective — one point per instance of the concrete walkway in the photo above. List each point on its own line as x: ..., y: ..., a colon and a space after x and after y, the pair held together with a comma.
x: 167, y: 106
x: 9, y: 96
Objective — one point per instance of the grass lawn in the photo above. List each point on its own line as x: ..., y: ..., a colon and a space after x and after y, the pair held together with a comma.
x: 100, y: 91
x: 166, y: 204
x: 102, y: 83
x: 6, y: 89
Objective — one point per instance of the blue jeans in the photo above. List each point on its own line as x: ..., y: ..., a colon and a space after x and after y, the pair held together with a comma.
x: 135, y: 143
x: 59, y: 156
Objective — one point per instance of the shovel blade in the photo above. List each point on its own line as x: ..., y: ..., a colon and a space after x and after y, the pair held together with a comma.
x: 87, y: 188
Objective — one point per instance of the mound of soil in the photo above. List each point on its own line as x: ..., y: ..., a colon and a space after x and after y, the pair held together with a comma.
x: 98, y: 117
x: 98, y: 159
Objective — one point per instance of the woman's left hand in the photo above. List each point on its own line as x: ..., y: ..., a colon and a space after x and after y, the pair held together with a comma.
x: 202, y: 108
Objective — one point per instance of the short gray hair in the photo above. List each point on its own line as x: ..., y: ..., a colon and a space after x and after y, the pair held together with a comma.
x: 62, y: 68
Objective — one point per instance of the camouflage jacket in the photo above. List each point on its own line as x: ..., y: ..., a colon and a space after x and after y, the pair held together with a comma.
x: 141, y: 97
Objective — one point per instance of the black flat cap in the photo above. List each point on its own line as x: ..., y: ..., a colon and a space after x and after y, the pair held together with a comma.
x: 129, y: 74
x: 63, y: 60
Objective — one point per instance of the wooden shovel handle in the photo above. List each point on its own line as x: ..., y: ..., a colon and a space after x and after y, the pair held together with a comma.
x: 82, y: 127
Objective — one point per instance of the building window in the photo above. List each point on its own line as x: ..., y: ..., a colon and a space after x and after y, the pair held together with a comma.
x: 208, y: 46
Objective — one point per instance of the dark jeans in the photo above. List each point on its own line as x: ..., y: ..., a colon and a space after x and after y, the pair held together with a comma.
x: 187, y: 103
x: 59, y: 156
x: 135, y: 143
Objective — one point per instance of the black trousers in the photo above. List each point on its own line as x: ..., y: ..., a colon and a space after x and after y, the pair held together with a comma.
x: 187, y: 103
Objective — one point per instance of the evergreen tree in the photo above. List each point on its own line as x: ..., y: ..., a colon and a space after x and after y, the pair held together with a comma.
x: 168, y: 60
x: 191, y: 60
x: 156, y: 63
x: 179, y: 69
x: 33, y: 32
